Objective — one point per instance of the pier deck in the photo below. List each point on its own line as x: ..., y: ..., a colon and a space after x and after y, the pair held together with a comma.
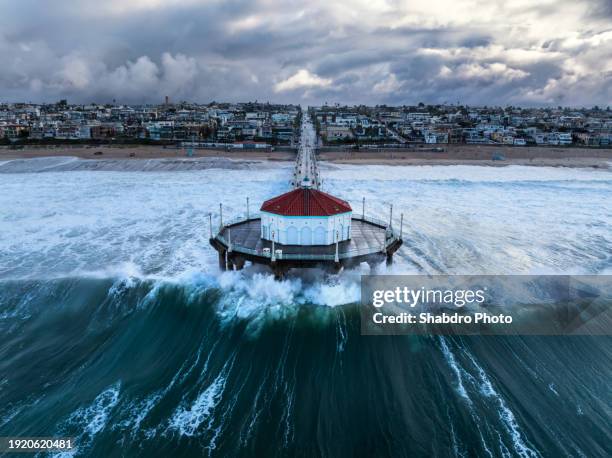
x: 241, y: 241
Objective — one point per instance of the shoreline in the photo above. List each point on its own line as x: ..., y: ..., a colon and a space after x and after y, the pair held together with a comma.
x: 208, y: 158
x: 586, y: 162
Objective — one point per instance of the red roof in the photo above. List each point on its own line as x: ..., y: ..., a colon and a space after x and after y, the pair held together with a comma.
x: 306, y: 202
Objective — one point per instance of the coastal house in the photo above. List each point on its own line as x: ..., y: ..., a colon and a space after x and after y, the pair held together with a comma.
x: 282, y: 132
x: 37, y: 132
x: 588, y: 138
x: 159, y: 130
x: 433, y: 137
x: 67, y: 132
x: 265, y: 131
x: 540, y: 138
x: 520, y: 141
x: 249, y: 145
x: 336, y: 132
x: 560, y: 138
x: 473, y: 136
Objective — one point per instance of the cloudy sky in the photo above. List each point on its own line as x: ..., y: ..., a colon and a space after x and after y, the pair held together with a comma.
x: 520, y: 52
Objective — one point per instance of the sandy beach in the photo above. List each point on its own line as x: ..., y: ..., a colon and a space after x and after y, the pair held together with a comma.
x: 105, y: 156
x: 135, y: 152
x: 478, y: 155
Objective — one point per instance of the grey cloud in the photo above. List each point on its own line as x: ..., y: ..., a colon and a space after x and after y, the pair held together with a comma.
x: 600, y: 9
x: 334, y: 64
x: 240, y: 50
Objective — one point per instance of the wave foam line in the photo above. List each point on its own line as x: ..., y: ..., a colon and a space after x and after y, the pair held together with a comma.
x: 256, y: 412
x: 146, y: 406
x: 287, y: 413
x: 452, y: 362
x: 94, y: 418
x: 505, y: 414
x: 187, y: 420
x: 212, y: 445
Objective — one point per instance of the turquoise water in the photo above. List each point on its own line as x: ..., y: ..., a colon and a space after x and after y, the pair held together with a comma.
x: 118, y: 329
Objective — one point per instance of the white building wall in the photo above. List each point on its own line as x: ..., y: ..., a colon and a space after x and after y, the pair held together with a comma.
x: 306, y: 230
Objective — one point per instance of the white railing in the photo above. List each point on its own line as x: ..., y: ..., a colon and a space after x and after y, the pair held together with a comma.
x: 390, y: 238
x: 256, y: 215
x: 309, y: 257
x: 241, y: 219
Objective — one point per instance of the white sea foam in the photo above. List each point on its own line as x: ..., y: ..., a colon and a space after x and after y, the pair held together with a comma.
x: 137, y: 411
x: 256, y: 413
x: 505, y: 414
x: 511, y: 173
x: 71, y: 164
x: 92, y: 419
x: 247, y: 292
x: 342, y: 332
x: 227, y: 413
x: 452, y: 362
x: 187, y: 420
x: 95, y: 417
x: 288, y: 414
x: 38, y: 164
x: 457, y: 219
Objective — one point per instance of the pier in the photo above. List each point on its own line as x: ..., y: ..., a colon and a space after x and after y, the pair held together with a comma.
x: 306, y: 169
x: 359, y: 239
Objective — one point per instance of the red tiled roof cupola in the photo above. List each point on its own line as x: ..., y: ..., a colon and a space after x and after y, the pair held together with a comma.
x: 306, y: 202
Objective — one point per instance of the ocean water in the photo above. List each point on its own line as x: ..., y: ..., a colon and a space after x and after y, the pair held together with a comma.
x: 118, y: 329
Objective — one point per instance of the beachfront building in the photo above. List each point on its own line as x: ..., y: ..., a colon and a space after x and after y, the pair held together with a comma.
x: 306, y: 216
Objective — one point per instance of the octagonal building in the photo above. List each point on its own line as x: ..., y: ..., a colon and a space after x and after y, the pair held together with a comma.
x: 306, y: 216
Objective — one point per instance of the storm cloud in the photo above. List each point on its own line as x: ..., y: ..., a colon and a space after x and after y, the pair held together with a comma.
x: 397, y: 52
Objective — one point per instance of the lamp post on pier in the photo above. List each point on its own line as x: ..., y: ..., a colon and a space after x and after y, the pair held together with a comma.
x: 336, y: 257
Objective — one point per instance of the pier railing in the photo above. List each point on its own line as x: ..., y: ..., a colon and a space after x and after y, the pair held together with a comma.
x: 253, y: 216
x: 241, y: 219
x: 391, y: 237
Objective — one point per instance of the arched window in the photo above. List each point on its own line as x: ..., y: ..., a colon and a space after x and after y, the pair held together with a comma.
x: 320, y: 236
x: 305, y: 236
x: 292, y: 235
